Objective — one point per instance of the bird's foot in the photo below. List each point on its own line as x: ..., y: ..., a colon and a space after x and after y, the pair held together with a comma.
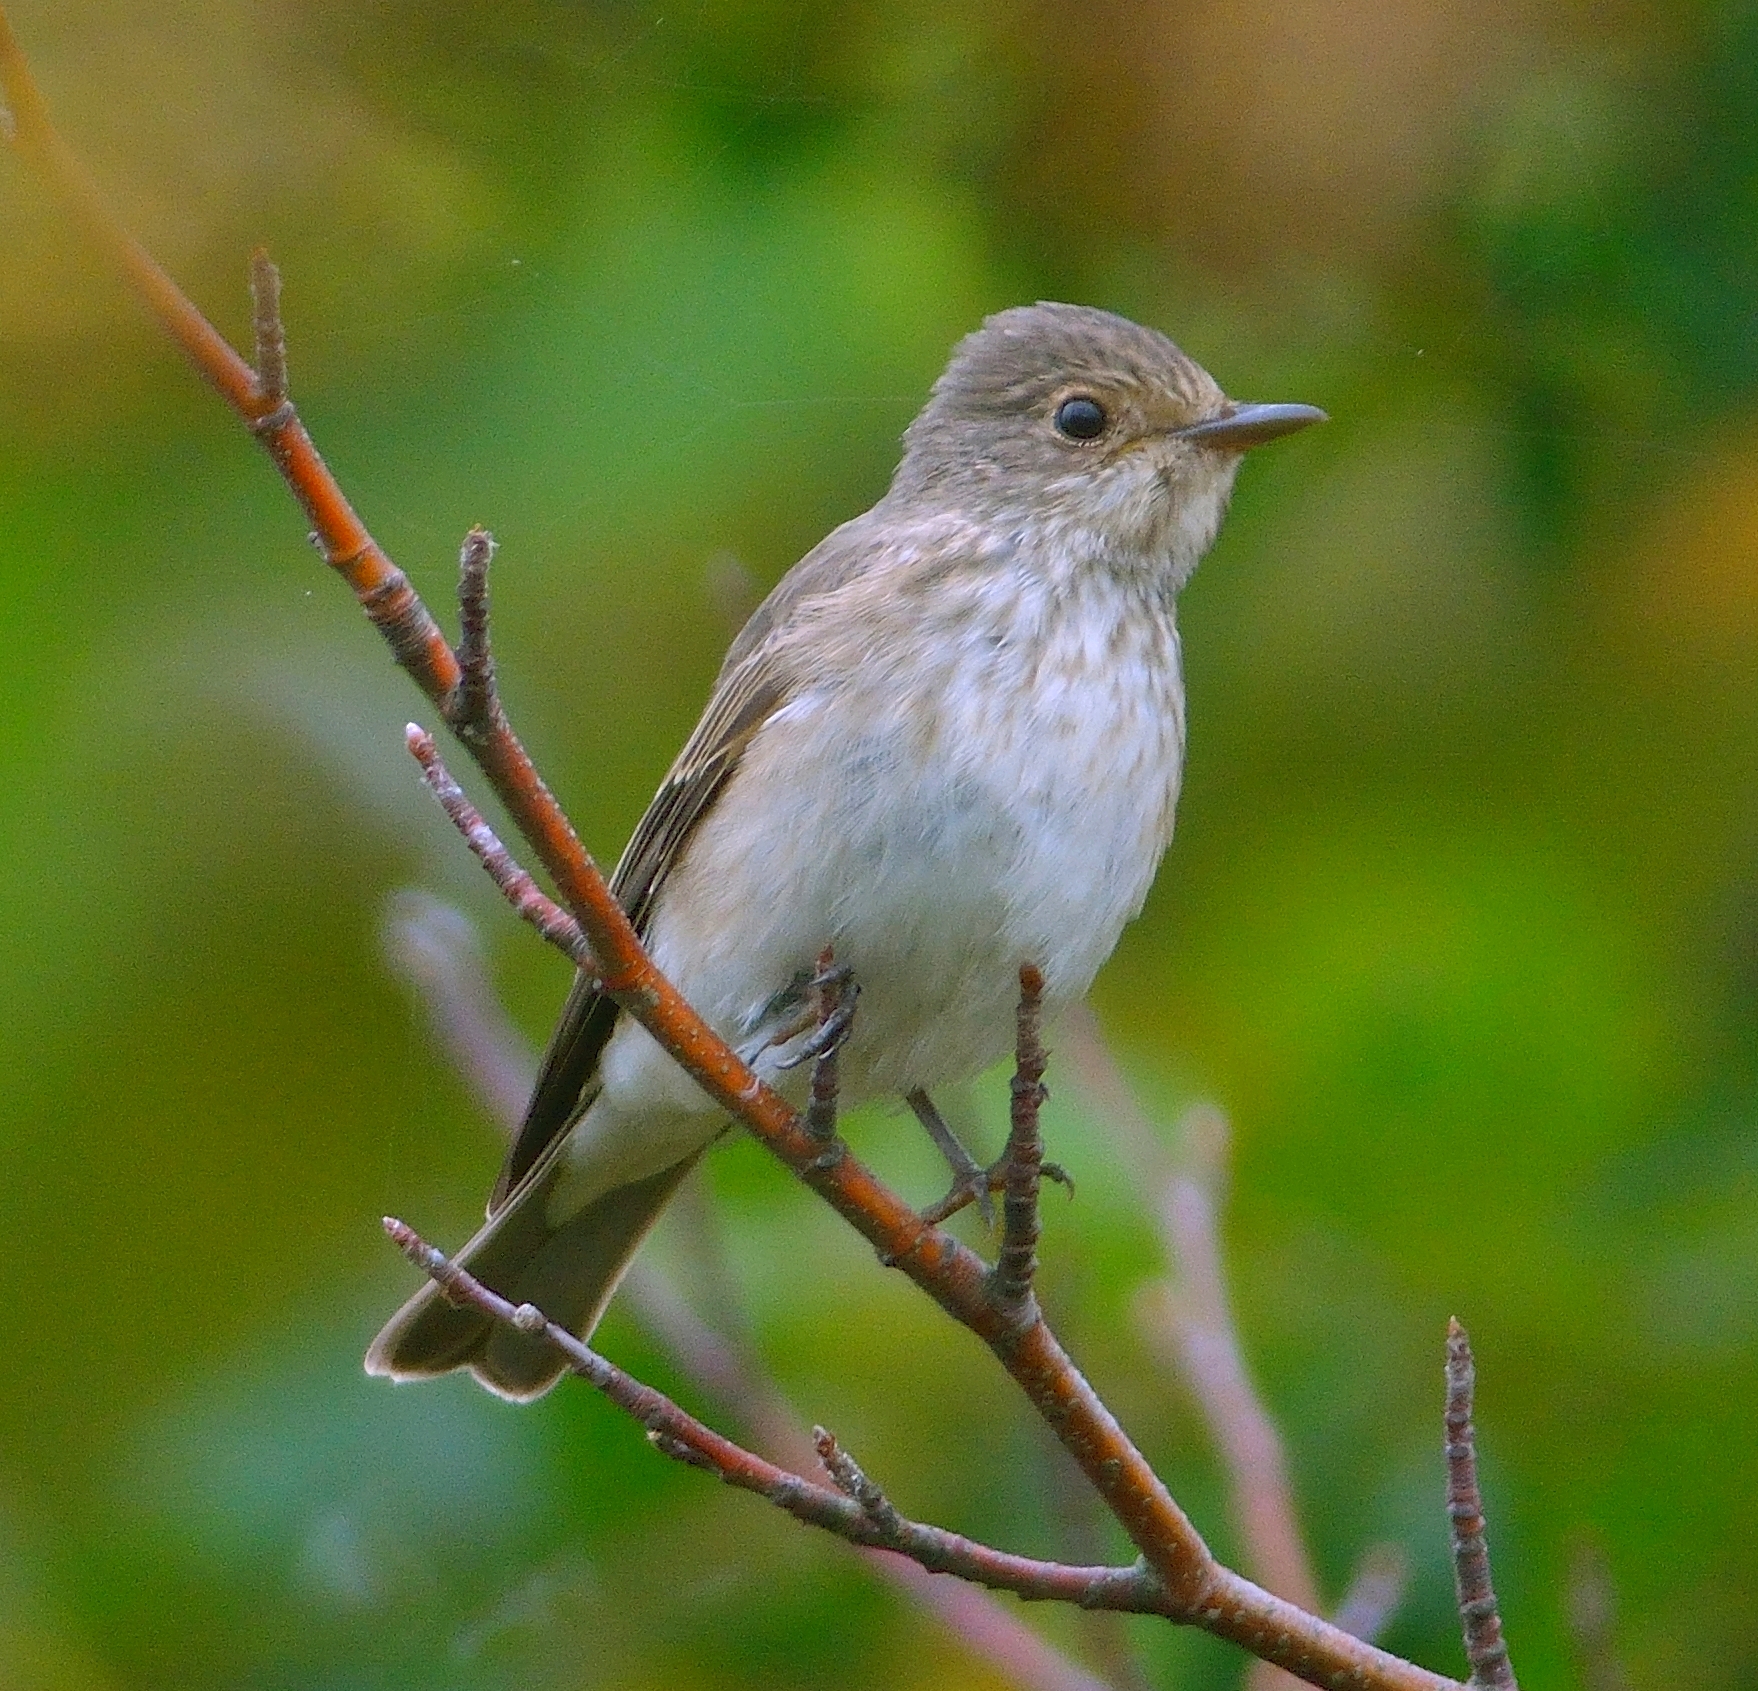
x: 823, y: 1009
x: 826, y: 1019
x: 972, y: 1183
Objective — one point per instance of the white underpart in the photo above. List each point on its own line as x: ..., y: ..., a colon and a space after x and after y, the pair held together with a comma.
x: 938, y: 821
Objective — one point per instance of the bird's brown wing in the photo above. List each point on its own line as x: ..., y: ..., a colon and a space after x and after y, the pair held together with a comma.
x: 748, y: 694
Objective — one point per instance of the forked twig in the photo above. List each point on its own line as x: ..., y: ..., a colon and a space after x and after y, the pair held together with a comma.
x: 858, y: 1514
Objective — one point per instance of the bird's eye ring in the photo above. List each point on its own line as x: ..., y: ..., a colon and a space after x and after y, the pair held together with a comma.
x: 1080, y: 418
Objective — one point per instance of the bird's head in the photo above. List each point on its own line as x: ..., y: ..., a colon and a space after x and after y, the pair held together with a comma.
x: 1095, y: 427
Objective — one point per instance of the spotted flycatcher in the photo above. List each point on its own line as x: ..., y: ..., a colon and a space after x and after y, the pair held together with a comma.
x: 949, y: 743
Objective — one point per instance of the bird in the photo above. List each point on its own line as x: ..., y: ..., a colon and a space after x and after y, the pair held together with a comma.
x: 947, y: 744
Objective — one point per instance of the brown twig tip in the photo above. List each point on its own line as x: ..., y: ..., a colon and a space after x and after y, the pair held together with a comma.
x: 1486, y: 1650
x: 851, y: 1480
x: 474, y: 709
x: 477, y: 553
x: 270, y: 332
x: 412, y: 1245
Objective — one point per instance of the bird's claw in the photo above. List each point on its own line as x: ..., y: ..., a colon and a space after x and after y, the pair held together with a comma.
x: 838, y: 987
x: 969, y: 1186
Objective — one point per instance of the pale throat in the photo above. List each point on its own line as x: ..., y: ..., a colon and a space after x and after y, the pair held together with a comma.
x: 1132, y: 524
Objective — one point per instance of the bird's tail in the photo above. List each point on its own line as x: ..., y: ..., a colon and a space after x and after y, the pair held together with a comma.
x: 568, y: 1271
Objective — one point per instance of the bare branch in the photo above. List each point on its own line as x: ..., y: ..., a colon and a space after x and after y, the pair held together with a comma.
x: 1486, y: 1651
x: 862, y: 1519
x: 434, y: 947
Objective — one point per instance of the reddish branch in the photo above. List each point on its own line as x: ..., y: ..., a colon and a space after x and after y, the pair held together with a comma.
x: 1186, y: 1582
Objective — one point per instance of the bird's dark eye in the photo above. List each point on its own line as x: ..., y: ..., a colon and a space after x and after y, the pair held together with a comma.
x: 1080, y: 418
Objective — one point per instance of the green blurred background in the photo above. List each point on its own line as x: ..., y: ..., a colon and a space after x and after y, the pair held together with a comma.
x: 1461, y: 924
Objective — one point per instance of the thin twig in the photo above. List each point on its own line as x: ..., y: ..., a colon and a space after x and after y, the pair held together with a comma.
x: 852, y: 1481
x: 271, y: 334
x: 516, y: 885
x: 1486, y: 1651
x: 821, y: 1104
x: 1016, y: 1263
x: 719, y: 1365
x: 862, y: 1520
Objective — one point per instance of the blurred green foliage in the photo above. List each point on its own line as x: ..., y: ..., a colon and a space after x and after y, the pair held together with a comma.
x: 1461, y: 924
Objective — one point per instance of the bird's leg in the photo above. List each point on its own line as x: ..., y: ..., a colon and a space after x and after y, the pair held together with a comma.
x: 970, y: 1180
x: 972, y: 1183
x: 833, y: 997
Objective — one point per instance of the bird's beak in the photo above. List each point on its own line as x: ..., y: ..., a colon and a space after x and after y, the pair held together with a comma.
x: 1250, y: 425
